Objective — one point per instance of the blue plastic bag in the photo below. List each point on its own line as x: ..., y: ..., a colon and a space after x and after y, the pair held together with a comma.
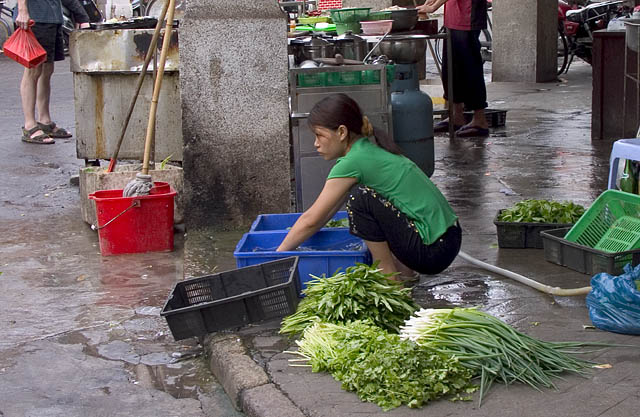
x: 614, y: 302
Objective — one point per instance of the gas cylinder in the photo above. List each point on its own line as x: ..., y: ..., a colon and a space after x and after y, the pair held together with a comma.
x: 412, y: 113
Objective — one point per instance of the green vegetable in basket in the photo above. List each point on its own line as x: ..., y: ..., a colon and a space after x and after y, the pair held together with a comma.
x: 380, y: 367
x: 338, y: 223
x: 493, y: 349
x: 637, y: 283
x: 361, y: 292
x: 542, y: 211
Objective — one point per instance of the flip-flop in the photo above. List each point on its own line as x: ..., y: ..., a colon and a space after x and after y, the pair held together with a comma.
x: 39, y: 139
x: 443, y: 127
x: 50, y: 129
x: 472, y: 131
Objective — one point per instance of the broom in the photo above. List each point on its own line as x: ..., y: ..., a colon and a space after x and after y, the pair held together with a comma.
x: 142, y: 184
x: 141, y: 77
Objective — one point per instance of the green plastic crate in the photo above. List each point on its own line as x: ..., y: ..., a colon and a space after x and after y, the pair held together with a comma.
x: 373, y: 76
x: 604, y: 220
x: 318, y: 79
x: 344, y: 78
x: 312, y: 20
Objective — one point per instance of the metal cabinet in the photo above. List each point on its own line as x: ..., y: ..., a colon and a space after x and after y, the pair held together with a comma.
x: 311, y: 169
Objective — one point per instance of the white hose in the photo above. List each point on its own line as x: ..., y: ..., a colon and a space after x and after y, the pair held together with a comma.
x: 526, y: 281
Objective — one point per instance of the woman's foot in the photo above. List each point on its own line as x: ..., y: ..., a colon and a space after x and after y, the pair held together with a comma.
x: 408, y: 280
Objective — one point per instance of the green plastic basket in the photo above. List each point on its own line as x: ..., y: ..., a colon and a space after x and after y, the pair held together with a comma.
x: 342, y: 28
x: 349, y: 15
x: 622, y: 236
x: 611, y: 224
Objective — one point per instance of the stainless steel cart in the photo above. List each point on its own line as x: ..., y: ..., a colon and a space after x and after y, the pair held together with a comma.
x: 310, y: 168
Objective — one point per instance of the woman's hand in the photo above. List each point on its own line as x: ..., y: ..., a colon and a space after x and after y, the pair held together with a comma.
x: 330, y: 199
x: 430, y: 6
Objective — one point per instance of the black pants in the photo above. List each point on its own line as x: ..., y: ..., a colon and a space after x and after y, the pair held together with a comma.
x: 468, y: 75
x: 373, y: 218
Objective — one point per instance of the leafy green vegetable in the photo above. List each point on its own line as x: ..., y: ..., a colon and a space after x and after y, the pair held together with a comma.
x: 338, y: 223
x: 542, y: 211
x: 165, y: 161
x: 362, y: 292
x: 492, y: 348
x: 380, y: 367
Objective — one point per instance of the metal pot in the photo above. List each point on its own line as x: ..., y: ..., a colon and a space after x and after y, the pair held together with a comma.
x: 404, y: 49
x: 296, y: 48
x: 318, y: 48
x: 404, y: 20
x: 351, y: 46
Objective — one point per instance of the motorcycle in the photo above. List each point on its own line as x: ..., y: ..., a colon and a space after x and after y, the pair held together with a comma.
x: 577, y: 25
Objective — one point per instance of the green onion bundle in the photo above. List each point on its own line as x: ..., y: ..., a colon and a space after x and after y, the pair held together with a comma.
x: 361, y: 292
x: 380, y: 367
x: 492, y: 348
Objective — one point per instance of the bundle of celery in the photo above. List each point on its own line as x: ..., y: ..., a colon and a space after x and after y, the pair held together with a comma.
x: 362, y: 292
x: 380, y: 367
x: 492, y: 348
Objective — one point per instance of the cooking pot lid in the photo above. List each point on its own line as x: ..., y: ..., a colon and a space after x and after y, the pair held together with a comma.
x: 318, y: 41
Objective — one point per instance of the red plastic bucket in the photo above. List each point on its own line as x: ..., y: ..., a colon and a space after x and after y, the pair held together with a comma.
x: 135, y: 224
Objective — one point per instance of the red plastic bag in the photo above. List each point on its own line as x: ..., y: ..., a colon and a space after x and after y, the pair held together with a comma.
x: 24, y: 48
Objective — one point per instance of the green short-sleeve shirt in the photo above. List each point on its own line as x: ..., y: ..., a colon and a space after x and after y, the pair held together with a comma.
x: 400, y: 181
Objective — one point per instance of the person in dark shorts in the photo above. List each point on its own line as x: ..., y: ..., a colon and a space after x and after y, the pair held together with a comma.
x: 35, y: 87
x: 464, y: 20
x: 406, y: 222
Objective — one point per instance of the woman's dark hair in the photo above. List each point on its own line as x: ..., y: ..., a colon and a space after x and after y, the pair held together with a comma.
x: 340, y: 109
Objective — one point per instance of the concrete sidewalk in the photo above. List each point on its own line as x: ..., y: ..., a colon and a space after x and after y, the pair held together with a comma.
x: 543, y: 152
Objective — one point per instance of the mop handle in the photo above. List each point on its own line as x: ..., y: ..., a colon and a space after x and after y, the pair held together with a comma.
x: 156, y: 88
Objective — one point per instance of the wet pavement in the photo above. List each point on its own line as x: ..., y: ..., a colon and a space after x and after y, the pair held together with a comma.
x: 81, y: 334
x: 543, y: 152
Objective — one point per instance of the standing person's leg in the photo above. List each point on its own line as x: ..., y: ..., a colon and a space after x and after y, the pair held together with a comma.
x: 28, y: 94
x: 475, y: 92
x: 44, y: 93
x: 458, y: 108
x: 56, y: 49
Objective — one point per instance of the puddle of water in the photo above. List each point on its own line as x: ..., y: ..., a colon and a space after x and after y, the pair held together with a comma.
x: 457, y: 289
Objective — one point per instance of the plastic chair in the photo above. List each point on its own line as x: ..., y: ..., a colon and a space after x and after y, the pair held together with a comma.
x: 622, y: 149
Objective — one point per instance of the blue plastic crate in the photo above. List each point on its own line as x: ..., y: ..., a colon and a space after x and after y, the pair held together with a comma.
x: 323, y: 253
x: 272, y: 222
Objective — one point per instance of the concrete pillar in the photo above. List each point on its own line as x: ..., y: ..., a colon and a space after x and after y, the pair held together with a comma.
x: 235, y: 115
x: 524, y: 43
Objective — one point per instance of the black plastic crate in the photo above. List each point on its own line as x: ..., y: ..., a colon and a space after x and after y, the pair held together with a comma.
x: 495, y: 118
x: 584, y: 259
x: 233, y: 298
x: 520, y: 235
